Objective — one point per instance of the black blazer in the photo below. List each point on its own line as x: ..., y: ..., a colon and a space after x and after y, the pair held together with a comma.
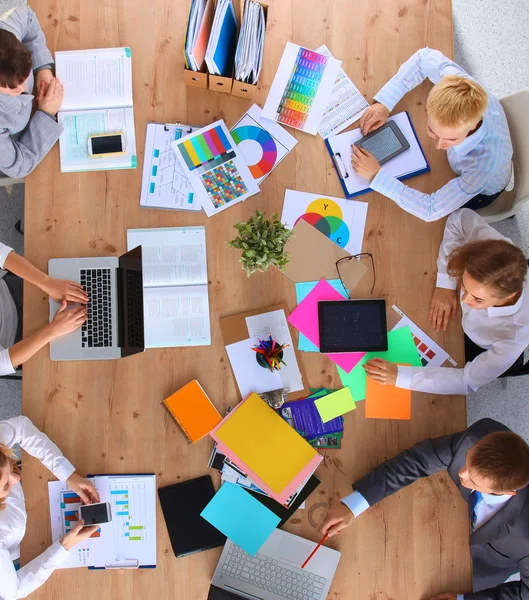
x: 500, y: 547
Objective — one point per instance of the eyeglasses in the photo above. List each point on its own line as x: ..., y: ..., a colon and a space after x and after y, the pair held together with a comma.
x: 347, y: 258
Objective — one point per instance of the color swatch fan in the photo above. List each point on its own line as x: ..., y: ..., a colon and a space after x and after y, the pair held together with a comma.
x: 263, y: 143
x: 218, y: 174
x: 301, y: 88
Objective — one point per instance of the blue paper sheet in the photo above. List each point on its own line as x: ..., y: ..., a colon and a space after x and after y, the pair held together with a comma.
x: 240, y: 517
x: 302, y: 290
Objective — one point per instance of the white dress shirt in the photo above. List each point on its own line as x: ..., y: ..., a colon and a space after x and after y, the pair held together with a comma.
x: 18, y: 584
x: 8, y: 317
x: 503, y: 331
x: 482, y: 161
x: 485, y: 509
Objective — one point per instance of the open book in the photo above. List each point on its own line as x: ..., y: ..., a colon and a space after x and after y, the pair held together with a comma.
x: 97, y: 100
x: 175, y: 282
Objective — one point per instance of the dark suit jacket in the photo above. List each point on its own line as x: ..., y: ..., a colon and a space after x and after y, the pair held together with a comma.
x: 500, y: 547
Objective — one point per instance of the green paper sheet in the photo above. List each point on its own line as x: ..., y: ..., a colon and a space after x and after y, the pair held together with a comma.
x: 401, y: 349
x: 335, y: 404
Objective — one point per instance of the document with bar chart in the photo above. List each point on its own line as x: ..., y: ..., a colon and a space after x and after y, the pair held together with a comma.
x: 129, y: 540
x: 215, y: 167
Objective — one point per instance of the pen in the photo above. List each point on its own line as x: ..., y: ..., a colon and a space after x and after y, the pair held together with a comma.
x: 323, y: 540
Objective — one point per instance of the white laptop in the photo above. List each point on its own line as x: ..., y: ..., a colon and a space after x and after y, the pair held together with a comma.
x: 114, y: 327
x: 275, y: 572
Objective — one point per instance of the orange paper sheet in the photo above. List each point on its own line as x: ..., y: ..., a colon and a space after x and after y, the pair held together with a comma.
x: 387, y: 401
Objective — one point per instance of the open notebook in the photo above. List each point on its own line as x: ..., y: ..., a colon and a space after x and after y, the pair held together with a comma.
x: 97, y: 100
x: 175, y: 282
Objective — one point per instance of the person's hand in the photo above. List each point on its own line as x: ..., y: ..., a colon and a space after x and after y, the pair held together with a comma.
x: 445, y: 596
x: 382, y: 371
x: 78, y: 534
x: 364, y: 163
x: 83, y: 488
x: 62, y: 289
x: 374, y: 117
x: 65, y: 321
x: 44, y: 75
x: 339, y: 517
x: 49, y: 97
x: 443, y: 304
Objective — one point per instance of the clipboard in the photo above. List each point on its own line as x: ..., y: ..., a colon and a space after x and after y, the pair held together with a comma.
x: 124, y: 563
x: 234, y: 329
x: 340, y: 160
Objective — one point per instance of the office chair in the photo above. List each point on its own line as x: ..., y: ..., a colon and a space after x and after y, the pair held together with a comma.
x: 516, y: 107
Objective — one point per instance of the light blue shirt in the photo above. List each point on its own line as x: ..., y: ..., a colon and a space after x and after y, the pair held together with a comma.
x: 482, y: 161
x: 485, y: 509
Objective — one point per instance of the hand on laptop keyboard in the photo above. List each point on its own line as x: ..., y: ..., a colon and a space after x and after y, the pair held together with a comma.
x: 67, y: 320
x: 62, y: 289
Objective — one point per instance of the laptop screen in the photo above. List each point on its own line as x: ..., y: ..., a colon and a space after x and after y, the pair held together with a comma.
x: 130, y: 303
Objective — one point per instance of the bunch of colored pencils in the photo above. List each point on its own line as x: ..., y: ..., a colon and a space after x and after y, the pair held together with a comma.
x: 270, y: 350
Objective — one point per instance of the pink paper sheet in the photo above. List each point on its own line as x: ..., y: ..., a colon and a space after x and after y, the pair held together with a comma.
x: 305, y: 319
x: 289, y: 489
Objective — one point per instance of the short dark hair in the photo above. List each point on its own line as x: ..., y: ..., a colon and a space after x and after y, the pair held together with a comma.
x: 15, y: 60
x: 502, y: 457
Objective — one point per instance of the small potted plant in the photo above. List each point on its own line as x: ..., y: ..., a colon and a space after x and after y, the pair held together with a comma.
x: 262, y: 242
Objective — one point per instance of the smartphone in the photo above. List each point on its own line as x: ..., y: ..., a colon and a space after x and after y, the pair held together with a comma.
x: 106, y: 144
x: 95, y: 514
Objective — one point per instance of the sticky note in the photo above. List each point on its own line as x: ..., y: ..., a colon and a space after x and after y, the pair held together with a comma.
x: 387, y: 401
x: 401, y: 349
x: 240, y: 517
x: 335, y: 404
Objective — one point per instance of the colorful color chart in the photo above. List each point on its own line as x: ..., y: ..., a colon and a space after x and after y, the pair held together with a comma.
x: 207, y: 150
x: 265, y: 141
x: 301, y: 88
x: 224, y: 184
x: 326, y: 216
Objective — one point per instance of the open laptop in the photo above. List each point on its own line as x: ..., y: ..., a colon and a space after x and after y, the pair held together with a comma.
x: 114, y: 327
x: 274, y: 573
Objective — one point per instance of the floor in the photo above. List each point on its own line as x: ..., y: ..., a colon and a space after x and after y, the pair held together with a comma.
x: 491, y: 40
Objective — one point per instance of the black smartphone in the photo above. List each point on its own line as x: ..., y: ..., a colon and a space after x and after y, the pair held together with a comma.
x: 95, y: 514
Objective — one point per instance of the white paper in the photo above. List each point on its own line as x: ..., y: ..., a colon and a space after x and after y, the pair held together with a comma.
x: 275, y: 324
x: 79, y: 126
x: 235, y: 177
x: 249, y: 375
x: 346, y: 104
x: 281, y: 84
x: 342, y: 221
x: 407, y: 162
x: 431, y: 354
x: 92, y: 79
x: 250, y: 47
x: 133, y: 506
x: 172, y: 256
x: 264, y: 154
x: 164, y: 184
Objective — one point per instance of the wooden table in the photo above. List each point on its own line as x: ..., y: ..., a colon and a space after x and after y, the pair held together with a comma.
x: 107, y: 416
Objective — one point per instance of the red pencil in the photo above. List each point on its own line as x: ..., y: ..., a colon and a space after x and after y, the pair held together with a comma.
x: 323, y: 540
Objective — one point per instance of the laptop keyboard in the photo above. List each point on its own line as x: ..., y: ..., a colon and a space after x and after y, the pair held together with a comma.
x: 269, y: 574
x: 96, y: 332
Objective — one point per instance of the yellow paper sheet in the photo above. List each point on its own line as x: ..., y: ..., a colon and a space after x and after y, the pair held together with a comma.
x: 335, y: 404
x: 266, y: 443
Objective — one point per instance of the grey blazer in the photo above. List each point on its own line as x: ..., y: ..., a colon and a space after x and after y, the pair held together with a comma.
x: 25, y: 140
x: 500, y: 547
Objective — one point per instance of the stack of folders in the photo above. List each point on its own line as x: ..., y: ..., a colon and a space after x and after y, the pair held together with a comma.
x: 198, y: 32
x: 220, y: 52
x: 303, y: 416
x: 260, y: 445
x: 249, y: 55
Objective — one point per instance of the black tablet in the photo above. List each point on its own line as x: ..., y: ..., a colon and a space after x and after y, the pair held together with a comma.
x: 384, y: 143
x: 352, y: 325
x: 182, y: 504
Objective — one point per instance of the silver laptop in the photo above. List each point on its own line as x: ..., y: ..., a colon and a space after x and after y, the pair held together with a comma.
x: 275, y: 572
x: 114, y: 327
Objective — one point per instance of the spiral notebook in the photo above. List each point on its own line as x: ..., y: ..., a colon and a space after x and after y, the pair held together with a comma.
x: 193, y: 411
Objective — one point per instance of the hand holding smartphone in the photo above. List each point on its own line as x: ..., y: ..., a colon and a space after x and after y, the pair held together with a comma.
x: 95, y: 514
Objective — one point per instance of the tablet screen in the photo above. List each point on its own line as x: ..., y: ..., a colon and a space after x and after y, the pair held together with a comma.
x: 385, y: 143
x: 352, y: 326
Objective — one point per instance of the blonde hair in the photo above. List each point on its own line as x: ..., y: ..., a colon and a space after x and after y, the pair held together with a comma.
x: 456, y: 101
x: 6, y: 457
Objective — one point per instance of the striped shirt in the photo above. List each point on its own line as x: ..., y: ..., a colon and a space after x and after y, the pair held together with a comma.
x: 482, y: 161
